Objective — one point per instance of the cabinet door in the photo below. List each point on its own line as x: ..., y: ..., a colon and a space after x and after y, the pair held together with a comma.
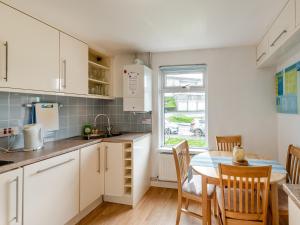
x: 262, y: 50
x: 11, y: 197
x: 114, y: 169
x: 297, y: 13
x: 283, y: 27
x: 30, y: 52
x: 74, y: 65
x: 51, y: 190
x: 91, y: 175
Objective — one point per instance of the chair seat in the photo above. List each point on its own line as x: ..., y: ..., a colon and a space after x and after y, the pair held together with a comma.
x: 219, y: 198
x: 194, y: 186
x: 282, y: 201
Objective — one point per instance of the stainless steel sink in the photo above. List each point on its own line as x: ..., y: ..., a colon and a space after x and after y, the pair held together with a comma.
x: 101, y: 136
x: 5, y: 162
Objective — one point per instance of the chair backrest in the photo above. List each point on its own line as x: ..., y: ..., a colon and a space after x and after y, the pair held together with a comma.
x: 293, y: 165
x: 226, y: 143
x: 182, y: 162
x: 247, y: 190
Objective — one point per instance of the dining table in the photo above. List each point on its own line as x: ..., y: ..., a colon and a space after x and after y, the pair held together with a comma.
x: 206, y: 165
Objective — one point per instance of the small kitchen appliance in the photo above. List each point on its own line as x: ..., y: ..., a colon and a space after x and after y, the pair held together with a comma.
x: 33, y: 137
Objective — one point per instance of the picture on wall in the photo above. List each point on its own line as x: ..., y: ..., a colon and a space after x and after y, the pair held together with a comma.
x: 288, y: 90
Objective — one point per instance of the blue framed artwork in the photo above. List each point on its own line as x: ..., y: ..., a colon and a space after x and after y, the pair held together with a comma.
x: 288, y: 90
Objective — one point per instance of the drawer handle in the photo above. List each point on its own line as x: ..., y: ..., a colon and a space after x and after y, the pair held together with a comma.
x: 262, y: 55
x: 51, y: 167
x: 278, y: 37
x: 99, y: 160
x: 6, y: 61
x: 16, y: 218
x: 106, y: 163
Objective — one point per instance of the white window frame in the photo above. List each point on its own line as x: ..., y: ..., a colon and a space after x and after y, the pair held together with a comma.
x: 178, y: 89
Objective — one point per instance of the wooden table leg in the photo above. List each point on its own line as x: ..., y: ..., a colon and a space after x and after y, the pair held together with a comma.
x: 204, y: 200
x: 274, y: 204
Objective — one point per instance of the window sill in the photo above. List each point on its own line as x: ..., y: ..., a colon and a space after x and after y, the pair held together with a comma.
x: 193, y: 151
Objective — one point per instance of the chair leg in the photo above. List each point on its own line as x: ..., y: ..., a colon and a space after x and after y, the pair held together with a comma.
x: 215, y: 204
x: 179, y: 205
x: 209, y: 212
x: 186, y: 203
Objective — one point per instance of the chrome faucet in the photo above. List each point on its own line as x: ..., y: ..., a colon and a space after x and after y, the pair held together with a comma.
x: 108, y: 122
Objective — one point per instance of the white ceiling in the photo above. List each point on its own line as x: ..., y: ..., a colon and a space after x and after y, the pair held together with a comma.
x: 157, y: 25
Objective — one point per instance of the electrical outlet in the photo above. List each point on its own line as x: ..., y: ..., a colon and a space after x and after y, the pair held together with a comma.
x: 9, y: 131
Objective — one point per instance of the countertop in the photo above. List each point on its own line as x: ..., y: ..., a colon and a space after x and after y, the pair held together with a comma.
x: 293, y: 191
x: 55, y: 148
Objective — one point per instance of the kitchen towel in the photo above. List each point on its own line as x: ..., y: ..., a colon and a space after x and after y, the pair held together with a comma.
x: 47, y: 115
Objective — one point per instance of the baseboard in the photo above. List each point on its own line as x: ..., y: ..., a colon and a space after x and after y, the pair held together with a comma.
x: 85, y: 212
x: 125, y: 200
x: 164, y: 184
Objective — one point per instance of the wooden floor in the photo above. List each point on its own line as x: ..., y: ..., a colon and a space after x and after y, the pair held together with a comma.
x: 158, y: 207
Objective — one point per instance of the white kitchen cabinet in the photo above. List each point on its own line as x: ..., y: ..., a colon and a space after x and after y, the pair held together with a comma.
x: 262, y: 50
x: 91, y: 174
x: 114, y: 169
x: 51, y: 190
x: 29, y: 52
x: 297, y: 13
x: 11, y: 197
x: 73, y: 65
x: 283, y: 27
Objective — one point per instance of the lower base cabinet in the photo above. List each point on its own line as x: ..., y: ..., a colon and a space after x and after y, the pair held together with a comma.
x: 51, y: 190
x: 91, y: 174
x: 11, y: 197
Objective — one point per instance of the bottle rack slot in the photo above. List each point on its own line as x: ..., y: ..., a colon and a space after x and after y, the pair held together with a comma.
x: 128, y: 168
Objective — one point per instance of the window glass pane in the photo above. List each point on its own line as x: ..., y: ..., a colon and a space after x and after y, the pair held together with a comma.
x: 181, y: 80
x: 184, y: 118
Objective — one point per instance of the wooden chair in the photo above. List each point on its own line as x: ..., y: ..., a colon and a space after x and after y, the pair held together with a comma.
x: 226, y: 143
x: 243, y: 194
x: 293, y: 177
x: 189, y: 190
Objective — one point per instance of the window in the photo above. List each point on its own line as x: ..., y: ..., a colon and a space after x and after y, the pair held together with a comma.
x: 184, y: 105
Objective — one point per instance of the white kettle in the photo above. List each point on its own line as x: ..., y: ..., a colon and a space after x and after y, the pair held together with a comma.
x: 33, y: 137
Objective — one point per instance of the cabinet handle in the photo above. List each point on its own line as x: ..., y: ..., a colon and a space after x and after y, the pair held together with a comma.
x: 278, y: 37
x: 262, y: 55
x: 6, y: 61
x: 17, y: 199
x: 64, y: 62
x: 99, y: 161
x: 51, y: 167
x: 106, y: 166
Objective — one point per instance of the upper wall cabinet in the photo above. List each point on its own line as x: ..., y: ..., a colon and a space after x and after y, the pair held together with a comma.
x: 29, y: 52
x: 283, y: 27
x: 297, y: 13
x: 262, y: 50
x: 74, y: 65
x: 282, y: 38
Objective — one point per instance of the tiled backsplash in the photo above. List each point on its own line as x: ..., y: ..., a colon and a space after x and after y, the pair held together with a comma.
x: 76, y: 112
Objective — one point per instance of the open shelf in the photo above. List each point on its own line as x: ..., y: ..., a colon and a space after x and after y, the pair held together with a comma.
x: 99, y: 81
x: 128, y: 168
x: 98, y: 65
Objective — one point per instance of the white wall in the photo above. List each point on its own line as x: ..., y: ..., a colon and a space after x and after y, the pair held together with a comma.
x: 288, y: 124
x: 241, y: 99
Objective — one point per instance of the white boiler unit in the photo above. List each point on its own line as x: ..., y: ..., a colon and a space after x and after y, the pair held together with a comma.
x: 137, y: 88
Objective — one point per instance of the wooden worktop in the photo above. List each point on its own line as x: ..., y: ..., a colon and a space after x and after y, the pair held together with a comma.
x: 55, y: 148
